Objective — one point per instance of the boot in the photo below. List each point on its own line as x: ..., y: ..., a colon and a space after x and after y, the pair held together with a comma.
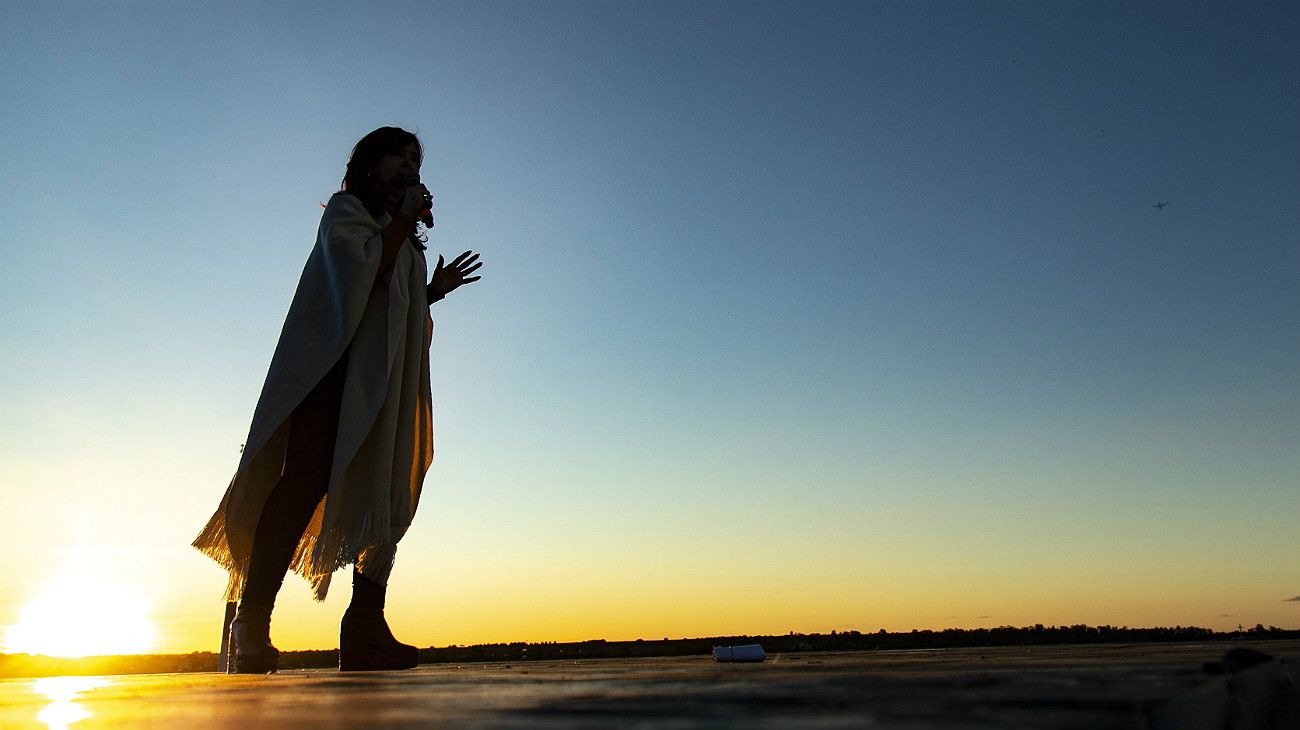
x: 366, y: 643
x: 250, y: 641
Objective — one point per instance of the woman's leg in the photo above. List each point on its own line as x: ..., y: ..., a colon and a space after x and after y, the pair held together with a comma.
x: 285, y: 516
x: 365, y: 641
x: 288, y: 509
x: 370, y: 576
x: 308, y: 458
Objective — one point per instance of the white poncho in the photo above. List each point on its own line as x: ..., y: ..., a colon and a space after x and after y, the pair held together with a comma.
x: 385, y: 435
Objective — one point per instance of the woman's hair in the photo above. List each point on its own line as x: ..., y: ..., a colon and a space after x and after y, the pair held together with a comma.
x: 382, y: 141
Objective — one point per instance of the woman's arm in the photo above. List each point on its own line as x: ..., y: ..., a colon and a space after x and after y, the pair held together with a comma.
x: 394, y: 235
x: 400, y: 228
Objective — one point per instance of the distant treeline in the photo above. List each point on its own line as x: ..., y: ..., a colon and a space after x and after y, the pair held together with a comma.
x: 847, y: 641
x: 23, y: 665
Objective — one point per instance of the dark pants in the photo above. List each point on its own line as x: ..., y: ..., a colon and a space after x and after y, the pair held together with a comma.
x: 308, y: 458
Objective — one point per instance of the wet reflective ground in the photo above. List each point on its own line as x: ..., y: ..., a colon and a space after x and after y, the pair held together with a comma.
x: 1108, y: 686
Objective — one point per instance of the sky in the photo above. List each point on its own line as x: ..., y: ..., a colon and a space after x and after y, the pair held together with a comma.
x: 794, y: 316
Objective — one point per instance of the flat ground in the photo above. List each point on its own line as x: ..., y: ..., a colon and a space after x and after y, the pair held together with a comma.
x: 1107, y: 686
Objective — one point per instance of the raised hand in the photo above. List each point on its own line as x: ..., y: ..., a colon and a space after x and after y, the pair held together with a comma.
x: 446, y: 278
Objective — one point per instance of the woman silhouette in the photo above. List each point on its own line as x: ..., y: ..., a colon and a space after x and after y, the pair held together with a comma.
x: 342, y: 434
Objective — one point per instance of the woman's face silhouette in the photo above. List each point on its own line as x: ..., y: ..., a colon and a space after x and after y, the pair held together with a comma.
x: 389, y: 173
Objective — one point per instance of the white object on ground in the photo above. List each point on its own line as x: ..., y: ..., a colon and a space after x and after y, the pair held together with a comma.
x: 745, y: 653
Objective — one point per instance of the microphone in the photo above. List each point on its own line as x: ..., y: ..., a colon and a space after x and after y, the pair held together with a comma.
x: 426, y: 215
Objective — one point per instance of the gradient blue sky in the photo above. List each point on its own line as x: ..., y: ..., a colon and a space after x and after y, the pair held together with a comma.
x: 794, y: 316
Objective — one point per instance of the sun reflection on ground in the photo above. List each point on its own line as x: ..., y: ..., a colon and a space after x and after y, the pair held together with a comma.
x: 62, y: 692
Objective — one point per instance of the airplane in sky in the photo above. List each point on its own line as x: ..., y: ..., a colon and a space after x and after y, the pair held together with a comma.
x: 1161, y: 205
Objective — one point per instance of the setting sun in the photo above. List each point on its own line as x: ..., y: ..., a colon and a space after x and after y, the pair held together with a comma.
x: 79, y: 614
